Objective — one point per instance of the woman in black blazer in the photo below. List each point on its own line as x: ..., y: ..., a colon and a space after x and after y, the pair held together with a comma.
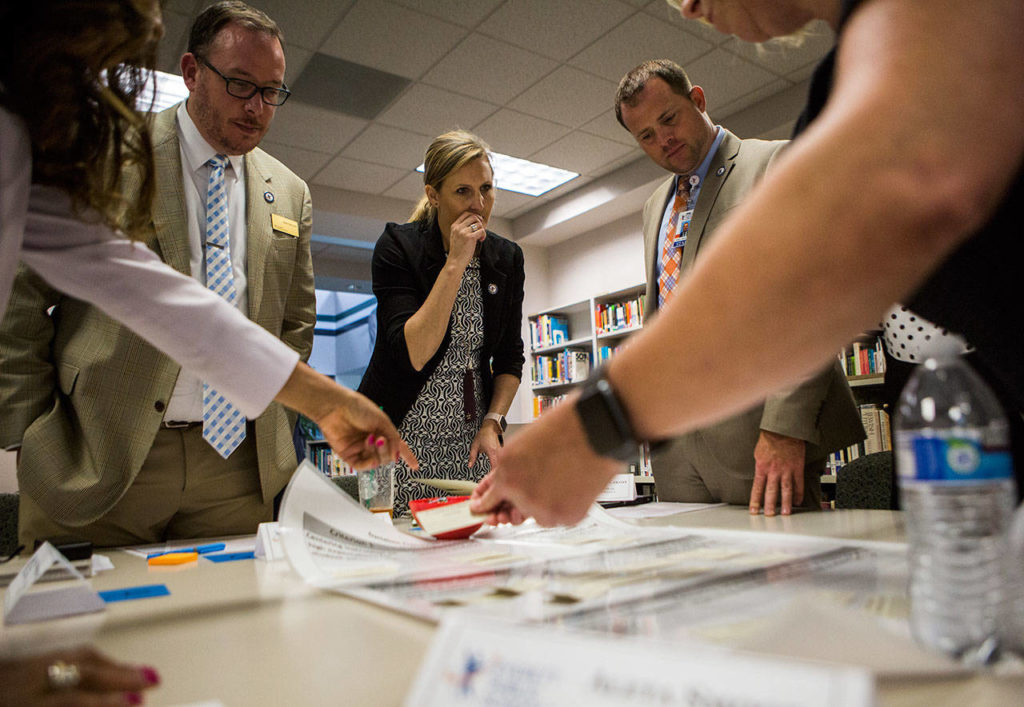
x: 449, y: 351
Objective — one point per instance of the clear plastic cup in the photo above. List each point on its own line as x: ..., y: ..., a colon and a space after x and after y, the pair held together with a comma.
x: 377, y: 489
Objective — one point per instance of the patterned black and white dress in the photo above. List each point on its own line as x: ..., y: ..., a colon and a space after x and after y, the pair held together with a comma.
x: 435, y: 426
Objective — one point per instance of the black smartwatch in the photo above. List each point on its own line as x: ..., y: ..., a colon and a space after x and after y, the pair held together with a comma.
x: 605, y: 421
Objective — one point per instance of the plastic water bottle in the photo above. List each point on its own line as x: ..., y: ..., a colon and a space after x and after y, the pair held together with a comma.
x: 1013, y: 626
x: 958, y: 494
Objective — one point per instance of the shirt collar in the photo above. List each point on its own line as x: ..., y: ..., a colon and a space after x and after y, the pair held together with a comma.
x: 702, y: 171
x: 196, y: 149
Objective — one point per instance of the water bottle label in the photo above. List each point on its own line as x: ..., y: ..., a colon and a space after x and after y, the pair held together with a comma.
x: 957, y: 459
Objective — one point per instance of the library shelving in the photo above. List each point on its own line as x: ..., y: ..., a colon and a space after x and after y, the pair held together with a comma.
x: 864, y: 363
x: 567, y: 342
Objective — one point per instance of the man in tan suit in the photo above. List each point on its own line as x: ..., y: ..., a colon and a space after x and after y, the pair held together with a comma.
x: 788, y: 436
x: 111, y: 431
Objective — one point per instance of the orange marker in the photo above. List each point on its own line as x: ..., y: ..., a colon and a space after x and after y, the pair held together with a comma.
x: 174, y: 558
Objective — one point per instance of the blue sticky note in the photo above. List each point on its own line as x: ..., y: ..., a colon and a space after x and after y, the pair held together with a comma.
x: 144, y: 591
x: 230, y: 556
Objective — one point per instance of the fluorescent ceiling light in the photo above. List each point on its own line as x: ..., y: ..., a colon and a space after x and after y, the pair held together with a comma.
x: 525, y: 177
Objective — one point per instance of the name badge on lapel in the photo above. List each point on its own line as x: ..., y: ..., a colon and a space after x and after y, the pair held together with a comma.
x: 285, y: 225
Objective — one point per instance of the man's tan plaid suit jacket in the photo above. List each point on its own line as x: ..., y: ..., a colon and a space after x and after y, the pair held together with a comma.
x: 84, y: 396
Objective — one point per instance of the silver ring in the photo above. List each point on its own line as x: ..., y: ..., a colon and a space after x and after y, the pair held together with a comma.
x: 473, y: 227
x: 63, y: 676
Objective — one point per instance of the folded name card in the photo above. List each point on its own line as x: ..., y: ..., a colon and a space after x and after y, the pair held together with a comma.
x: 22, y: 605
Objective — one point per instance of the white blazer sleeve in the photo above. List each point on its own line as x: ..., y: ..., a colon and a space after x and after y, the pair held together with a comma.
x: 171, y: 311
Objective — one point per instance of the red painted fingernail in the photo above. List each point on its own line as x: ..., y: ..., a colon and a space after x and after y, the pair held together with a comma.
x: 369, y: 439
x: 381, y: 441
x: 150, y: 675
x: 133, y: 698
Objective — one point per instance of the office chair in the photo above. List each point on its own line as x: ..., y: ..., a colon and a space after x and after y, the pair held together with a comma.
x: 8, y: 523
x: 866, y: 482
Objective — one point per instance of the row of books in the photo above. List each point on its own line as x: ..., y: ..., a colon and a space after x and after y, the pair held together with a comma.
x: 568, y: 366
x: 861, y: 359
x: 616, y: 316
x: 548, y: 330
x: 879, y: 438
x: 543, y: 403
x: 606, y: 352
x: 320, y: 455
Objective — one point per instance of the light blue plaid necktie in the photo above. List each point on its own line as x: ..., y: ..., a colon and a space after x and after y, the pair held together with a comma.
x: 223, y: 424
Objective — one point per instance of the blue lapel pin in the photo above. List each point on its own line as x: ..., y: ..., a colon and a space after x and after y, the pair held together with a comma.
x: 720, y: 172
x: 268, y: 197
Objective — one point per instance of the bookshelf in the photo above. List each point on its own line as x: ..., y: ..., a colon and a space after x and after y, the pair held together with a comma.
x: 319, y: 452
x: 864, y: 363
x: 567, y: 342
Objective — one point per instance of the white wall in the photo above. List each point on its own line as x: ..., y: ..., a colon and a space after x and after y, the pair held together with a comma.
x: 605, y: 259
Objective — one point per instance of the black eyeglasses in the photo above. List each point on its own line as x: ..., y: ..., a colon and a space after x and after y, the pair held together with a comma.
x: 240, y: 88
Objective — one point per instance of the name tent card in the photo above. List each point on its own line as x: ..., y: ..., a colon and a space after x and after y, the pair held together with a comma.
x: 21, y: 605
x: 483, y: 661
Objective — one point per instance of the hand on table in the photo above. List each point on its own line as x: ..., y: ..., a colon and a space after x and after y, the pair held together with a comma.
x: 547, y: 471
x: 76, y: 677
x: 778, y: 471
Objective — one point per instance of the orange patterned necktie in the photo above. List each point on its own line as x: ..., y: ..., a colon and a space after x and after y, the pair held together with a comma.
x: 671, y: 256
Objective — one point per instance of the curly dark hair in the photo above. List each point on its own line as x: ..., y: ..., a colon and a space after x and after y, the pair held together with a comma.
x: 73, y: 71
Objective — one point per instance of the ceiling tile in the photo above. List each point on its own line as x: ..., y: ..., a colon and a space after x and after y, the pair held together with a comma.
x: 726, y: 77
x: 409, y: 188
x: 784, y: 57
x: 462, y: 12
x: 508, y: 201
x: 304, y: 163
x: 803, y: 73
x: 567, y: 96
x: 343, y: 173
x: 555, y: 29
x: 582, y: 153
x: 431, y: 111
x: 517, y: 134
x: 175, y: 39
x: 296, y: 60
x: 299, y: 124
x: 659, y: 9
x: 639, y: 38
x: 607, y: 126
x: 347, y: 87
x: 758, y: 94
x: 186, y: 7
x: 306, y: 28
x: 392, y: 38
x: 470, y: 69
x: 389, y: 146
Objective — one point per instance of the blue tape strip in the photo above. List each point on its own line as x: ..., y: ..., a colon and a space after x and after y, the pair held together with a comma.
x: 230, y: 556
x: 129, y: 593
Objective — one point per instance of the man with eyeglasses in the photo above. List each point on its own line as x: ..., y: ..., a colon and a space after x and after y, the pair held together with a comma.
x: 175, y: 459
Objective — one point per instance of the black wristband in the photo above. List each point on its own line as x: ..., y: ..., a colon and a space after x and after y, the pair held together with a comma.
x: 605, y: 420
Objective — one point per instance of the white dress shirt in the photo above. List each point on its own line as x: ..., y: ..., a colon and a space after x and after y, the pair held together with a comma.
x: 186, y: 402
